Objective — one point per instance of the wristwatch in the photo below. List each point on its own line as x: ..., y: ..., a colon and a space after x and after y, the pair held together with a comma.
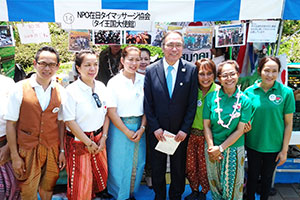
x: 221, y: 149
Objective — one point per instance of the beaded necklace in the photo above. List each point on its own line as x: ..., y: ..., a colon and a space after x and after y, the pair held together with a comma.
x: 236, y: 106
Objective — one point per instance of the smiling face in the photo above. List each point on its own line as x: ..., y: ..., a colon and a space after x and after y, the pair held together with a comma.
x: 228, y: 77
x: 131, y: 61
x: 205, y: 77
x: 172, y: 48
x: 145, y: 60
x: 89, y: 67
x: 46, y: 66
x: 269, y: 73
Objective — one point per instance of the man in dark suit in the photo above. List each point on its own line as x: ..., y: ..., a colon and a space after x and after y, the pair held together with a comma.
x: 170, y: 104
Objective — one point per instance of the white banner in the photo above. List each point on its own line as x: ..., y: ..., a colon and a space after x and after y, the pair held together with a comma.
x: 106, y: 20
x: 263, y: 31
x: 34, y: 33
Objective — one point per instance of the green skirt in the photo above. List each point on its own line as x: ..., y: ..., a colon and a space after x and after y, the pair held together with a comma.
x: 226, y: 177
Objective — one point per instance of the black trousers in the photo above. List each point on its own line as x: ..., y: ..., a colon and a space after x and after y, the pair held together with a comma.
x: 177, y: 164
x: 260, y: 164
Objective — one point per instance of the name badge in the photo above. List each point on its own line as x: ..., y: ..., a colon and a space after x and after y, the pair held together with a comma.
x: 55, y: 110
x: 272, y: 97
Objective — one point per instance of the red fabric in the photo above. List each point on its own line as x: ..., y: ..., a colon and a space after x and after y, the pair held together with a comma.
x: 87, y: 173
x: 196, y: 165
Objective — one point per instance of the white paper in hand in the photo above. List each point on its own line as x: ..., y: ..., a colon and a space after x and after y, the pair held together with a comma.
x: 169, y: 146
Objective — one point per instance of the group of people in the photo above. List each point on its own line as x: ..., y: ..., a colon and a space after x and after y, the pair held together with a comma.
x: 99, y: 133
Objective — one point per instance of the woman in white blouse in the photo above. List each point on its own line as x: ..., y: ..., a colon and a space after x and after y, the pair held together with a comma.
x: 87, y: 126
x: 126, y: 145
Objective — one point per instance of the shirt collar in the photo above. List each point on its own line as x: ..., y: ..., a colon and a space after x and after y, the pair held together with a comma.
x: 166, y: 65
x: 34, y: 83
x: 83, y: 86
x: 274, y: 87
x: 212, y: 88
x: 221, y: 93
x: 138, y: 77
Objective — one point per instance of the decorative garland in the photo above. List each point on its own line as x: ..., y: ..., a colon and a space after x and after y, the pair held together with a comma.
x: 236, y: 106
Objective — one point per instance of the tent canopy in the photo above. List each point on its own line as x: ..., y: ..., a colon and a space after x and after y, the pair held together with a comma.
x: 160, y: 10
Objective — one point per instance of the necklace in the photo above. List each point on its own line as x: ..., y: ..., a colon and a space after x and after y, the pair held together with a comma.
x: 236, y: 106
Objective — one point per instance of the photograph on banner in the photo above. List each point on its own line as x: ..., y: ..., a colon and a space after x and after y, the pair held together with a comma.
x: 138, y: 37
x: 106, y: 37
x: 198, y: 37
x: 193, y: 56
x: 6, y: 36
x: 34, y: 33
x: 159, y: 29
x: 230, y: 35
x: 79, y: 40
x: 263, y: 31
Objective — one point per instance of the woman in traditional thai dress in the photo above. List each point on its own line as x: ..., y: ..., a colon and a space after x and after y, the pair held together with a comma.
x: 87, y: 127
x: 126, y: 145
x: 225, y: 113
x: 272, y: 122
x: 195, y: 160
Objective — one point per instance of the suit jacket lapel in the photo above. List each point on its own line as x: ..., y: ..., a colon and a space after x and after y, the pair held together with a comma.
x: 180, y: 74
x: 161, y: 76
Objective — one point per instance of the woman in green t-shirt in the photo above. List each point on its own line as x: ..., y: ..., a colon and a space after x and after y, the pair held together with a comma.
x: 267, y: 142
x: 225, y: 113
x: 195, y: 160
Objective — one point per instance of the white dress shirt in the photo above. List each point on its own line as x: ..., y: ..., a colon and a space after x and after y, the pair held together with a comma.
x: 6, y: 84
x: 81, y: 105
x: 126, y: 96
x: 44, y: 96
x: 173, y: 72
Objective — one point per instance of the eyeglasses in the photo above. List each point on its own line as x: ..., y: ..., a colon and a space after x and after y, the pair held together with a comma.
x: 227, y: 75
x: 97, y: 100
x: 44, y: 65
x: 172, y: 45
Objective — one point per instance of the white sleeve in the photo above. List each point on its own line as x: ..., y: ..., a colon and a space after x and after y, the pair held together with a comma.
x: 15, y: 98
x: 112, y: 100
x: 69, y: 107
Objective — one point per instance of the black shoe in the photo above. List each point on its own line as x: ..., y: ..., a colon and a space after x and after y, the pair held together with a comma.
x: 273, y: 192
x: 201, y: 196
x: 193, y: 196
x: 104, y: 194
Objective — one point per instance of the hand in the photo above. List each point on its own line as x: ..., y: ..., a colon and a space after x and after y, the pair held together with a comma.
x: 61, y: 161
x: 159, y: 134
x: 129, y: 134
x: 101, y: 144
x: 4, y: 154
x: 92, y: 147
x: 214, y: 153
x: 18, y: 165
x: 180, y: 136
x: 281, y: 157
x: 137, y: 135
x: 247, y: 127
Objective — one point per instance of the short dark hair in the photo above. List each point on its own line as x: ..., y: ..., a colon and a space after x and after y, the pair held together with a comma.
x: 146, y: 50
x: 230, y: 62
x: 266, y: 59
x: 169, y: 33
x: 79, y: 56
x: 206, y: 63
x: 46, y: 48
x: 125, y: 52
